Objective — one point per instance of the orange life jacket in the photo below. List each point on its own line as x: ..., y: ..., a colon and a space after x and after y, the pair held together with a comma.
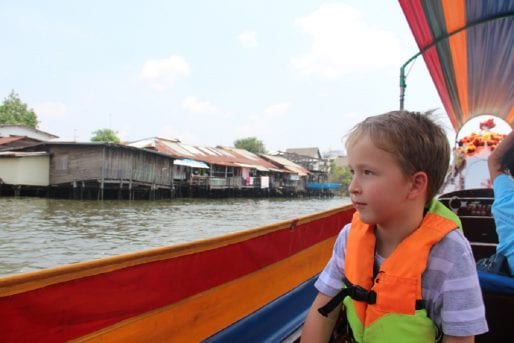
x: 389, y: 307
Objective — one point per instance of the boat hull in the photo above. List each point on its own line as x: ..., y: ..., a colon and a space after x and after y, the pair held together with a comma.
x: 187, y: 292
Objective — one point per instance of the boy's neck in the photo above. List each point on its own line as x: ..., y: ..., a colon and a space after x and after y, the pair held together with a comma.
x: 390, y: 235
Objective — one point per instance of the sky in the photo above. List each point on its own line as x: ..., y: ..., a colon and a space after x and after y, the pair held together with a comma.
x: 293, y: 73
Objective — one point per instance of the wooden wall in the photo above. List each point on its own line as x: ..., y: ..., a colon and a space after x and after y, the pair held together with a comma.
x: 71, y: 163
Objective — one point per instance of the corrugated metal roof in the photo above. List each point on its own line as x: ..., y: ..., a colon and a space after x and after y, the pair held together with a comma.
x: 6, y: 140
x: 289, y: 165
x: 45, y: 145
x: 245, y: 153
x: 247, y: 157
x: 297, y: 170
x: 308, y: 152
x: 253, y: 166
x: 28, y: 129
x: 144, y: 144
x: 223, y: 156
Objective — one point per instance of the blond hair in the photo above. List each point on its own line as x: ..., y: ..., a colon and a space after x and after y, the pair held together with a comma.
x: 416, y: 141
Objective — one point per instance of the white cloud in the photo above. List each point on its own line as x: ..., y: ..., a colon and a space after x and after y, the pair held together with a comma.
x: 277, y: 110
x: 50, y: 110
x: 163, y: 73
x: 342, y: 43
x: 262, y: 124
x: 194, y: 105
x: 248, y: 39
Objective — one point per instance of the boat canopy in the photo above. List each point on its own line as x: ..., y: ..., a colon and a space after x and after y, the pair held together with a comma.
x: 467, y: 47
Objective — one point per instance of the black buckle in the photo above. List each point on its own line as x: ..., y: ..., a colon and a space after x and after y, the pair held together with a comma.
x: 355, y: 292
x: 360, y: 294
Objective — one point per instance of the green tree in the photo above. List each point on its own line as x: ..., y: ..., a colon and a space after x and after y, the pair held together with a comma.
x: 14, y: 111
x: 251, y: 144
x: 340, y: 174
x: 106, y: 136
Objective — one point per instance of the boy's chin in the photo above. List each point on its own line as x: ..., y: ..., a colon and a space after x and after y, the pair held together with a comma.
x: 366, y: 219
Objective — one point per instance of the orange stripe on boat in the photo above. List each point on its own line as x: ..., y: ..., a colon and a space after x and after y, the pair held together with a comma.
x: 205, y: 314
x: 455, y: 18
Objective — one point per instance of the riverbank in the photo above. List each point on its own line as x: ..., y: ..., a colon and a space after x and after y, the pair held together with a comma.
x: 116, y: 192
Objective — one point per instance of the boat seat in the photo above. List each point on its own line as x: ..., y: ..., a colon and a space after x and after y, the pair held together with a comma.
x: 498, y: 293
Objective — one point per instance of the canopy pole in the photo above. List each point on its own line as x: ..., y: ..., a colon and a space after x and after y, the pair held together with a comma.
x: 403, y: 83
x: 403, y: 78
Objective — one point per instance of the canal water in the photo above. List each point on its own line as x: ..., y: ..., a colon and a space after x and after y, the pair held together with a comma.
x: 38, y: 233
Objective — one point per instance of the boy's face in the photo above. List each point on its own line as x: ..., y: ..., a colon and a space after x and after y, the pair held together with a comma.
x: 379, y: 189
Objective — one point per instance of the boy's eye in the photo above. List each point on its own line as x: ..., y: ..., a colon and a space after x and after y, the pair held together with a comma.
x: 352, y: 171
x: 368, y: 172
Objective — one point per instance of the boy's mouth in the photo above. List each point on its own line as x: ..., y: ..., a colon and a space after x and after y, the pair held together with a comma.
x: 358, y: 205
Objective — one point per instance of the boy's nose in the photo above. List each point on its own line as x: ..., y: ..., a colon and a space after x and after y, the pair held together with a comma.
x: 353, y: 188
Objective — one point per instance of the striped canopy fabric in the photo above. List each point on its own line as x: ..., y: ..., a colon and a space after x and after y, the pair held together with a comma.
x: 467, y: 47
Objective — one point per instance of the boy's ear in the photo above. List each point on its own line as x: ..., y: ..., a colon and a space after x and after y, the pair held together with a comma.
x: 419, y: 185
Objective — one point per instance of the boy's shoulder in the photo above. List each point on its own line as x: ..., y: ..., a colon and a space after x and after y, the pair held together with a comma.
x: 454, y: 243
x: 452, y: 253
x: 342, y: 238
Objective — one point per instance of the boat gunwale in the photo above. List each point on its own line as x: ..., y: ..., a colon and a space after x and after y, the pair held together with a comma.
x: 24, y: 282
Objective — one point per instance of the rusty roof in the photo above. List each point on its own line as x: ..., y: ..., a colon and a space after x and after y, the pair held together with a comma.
x: 307, y: 152
x: 285, y: 163
x: 7, y: 140
x: 224, y: 156
x: 42, y: 146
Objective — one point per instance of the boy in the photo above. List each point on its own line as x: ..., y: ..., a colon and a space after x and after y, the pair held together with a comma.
x: 403, y: 257
x: 501, y: 164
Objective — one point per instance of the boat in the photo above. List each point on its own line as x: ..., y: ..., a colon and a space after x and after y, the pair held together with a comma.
x: 257, y: 285
x: 212, y: 290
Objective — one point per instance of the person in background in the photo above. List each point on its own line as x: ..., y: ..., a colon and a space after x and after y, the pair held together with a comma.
x: 501, y: 171
x: 402, y: 269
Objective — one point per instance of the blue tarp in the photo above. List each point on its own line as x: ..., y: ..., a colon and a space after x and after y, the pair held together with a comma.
x: 191, y: 163
x: 313, y: 185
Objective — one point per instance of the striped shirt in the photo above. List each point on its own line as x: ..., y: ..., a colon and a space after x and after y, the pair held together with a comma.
x: 450, y: 284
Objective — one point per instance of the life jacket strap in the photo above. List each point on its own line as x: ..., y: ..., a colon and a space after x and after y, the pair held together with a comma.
x: 356, y: 292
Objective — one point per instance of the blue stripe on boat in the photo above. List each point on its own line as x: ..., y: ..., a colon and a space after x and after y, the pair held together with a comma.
x: 275, y: 321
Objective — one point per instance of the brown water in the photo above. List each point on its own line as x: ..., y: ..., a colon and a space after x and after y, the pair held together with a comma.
x: 39, y: 233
